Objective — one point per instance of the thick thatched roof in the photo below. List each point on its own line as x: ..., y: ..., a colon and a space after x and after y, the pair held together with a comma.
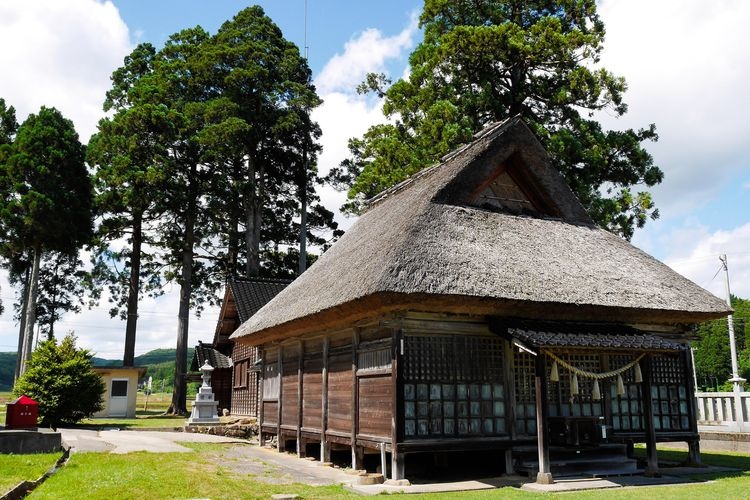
x: 425, y: 245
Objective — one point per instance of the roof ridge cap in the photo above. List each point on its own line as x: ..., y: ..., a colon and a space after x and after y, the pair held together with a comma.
x: 259, y: 279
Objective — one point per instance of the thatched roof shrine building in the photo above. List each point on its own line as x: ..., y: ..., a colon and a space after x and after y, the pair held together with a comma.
x: 476, y: 305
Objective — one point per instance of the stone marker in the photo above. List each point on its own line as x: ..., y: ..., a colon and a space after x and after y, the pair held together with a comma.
x: 204, y: 407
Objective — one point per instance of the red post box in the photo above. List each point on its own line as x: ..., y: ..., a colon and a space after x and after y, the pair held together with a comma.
x: 21, y: 413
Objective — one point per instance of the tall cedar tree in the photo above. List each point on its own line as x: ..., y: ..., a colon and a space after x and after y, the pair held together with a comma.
x: 8, y: 128
x: 259, y: 131
x: 127, y: 153
x: 63, y: 286
x: 46, y: 203
x: 245, y: 122
x: 487, y: 60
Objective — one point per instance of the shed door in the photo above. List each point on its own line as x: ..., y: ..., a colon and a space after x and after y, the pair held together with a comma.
x: 118, y: 398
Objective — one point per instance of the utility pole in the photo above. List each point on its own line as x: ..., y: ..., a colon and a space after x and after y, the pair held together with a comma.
x: 303, y: 186
x: 736, y: 379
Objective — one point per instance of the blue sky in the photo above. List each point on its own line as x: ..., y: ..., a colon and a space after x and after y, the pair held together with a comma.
x: 685, y: 61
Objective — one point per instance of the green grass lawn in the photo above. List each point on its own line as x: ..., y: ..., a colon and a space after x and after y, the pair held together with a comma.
x: 207, y: 474
x: 17, y: 468
x: 166, y: 475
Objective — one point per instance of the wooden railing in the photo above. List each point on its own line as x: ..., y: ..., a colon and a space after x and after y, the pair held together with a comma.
x: 730, y: 409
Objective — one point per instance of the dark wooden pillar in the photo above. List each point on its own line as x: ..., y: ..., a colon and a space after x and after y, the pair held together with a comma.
x: 259, y: 394
x: 694, y: 447
x: 606, y: 401
x: 300, y: 373
x: 544, y: 476
x: 510, y: 401
x: 325, y: 446
x: 356, y: 453
x: 280, y: 363
x: 398, y: 460
x: 652, y: 466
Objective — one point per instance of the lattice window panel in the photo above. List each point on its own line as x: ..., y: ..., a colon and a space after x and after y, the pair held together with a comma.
x: 562, y: 403
x: 627, y: 410
x: 374, y: 356
x: 524, y: 376
x: 453, y: 387
x: 669, y: 398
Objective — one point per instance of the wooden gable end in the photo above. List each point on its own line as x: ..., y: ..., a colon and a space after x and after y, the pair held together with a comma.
x: 510, y: 188
x: 228, y: 322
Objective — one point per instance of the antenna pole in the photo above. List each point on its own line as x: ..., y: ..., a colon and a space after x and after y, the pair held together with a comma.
x: 302, y: 262
x: 736, y: 379
x: 730, y: 324
x: 305, y: 42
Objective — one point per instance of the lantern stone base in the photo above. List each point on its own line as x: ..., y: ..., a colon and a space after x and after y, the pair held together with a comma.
x: 205, y: 406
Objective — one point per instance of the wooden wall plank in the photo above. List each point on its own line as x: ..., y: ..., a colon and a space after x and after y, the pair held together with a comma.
x: 339, y: 392
x: 312, y: 391
x: 375, y: 404
x: 270, y: 413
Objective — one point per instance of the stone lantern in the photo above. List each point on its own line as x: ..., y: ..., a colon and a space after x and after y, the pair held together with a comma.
x: 204, y: 407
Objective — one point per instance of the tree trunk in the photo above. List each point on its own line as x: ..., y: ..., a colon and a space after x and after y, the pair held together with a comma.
x: 128, y: 358
x: 22, y: 328
x: 179, y: 394
x: 53, y: 301
x: 253, y: 220
x: 28, y: 334
x: 303, y: 217
x: 235, y: 214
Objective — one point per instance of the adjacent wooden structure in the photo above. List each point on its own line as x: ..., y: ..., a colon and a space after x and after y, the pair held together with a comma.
x: 235, y: 379
x: 433, y: 325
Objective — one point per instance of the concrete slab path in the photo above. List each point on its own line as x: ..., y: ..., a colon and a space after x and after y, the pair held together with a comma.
x: 86, y: 440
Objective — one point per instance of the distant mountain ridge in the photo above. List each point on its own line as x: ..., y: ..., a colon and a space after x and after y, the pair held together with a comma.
x: 159, y: 364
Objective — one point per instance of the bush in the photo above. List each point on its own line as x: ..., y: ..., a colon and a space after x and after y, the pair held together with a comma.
x: 61, y: 380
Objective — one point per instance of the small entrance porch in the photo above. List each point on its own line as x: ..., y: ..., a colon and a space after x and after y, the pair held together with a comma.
x: 593, y: 395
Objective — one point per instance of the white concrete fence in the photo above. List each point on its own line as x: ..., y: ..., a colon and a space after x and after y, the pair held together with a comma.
x: 730, y: 410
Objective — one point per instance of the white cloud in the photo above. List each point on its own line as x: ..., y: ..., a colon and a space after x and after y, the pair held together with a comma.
x: 364, y: 54
x: 345, y: 114
x: 60, y: 54
x: 341, y: 117
x: 698, y: 253
x: 687, y: 69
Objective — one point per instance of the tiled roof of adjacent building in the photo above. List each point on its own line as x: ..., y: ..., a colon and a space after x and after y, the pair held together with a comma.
x: 626, y: 339
x: 206, y: 352
x: 250, y: 294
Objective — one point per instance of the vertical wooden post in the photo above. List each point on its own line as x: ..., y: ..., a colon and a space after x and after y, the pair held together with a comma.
x: 544, y: 476
x: 652, y: 466
x: 510, y: 402
x: 694, y: 448
x: 259, y: 393
x: 356, y: 455
x: 606, y: 395
x: 325, y: 446
x: 300, y: 373
x: 280, y: 363
x: 398, y: 464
